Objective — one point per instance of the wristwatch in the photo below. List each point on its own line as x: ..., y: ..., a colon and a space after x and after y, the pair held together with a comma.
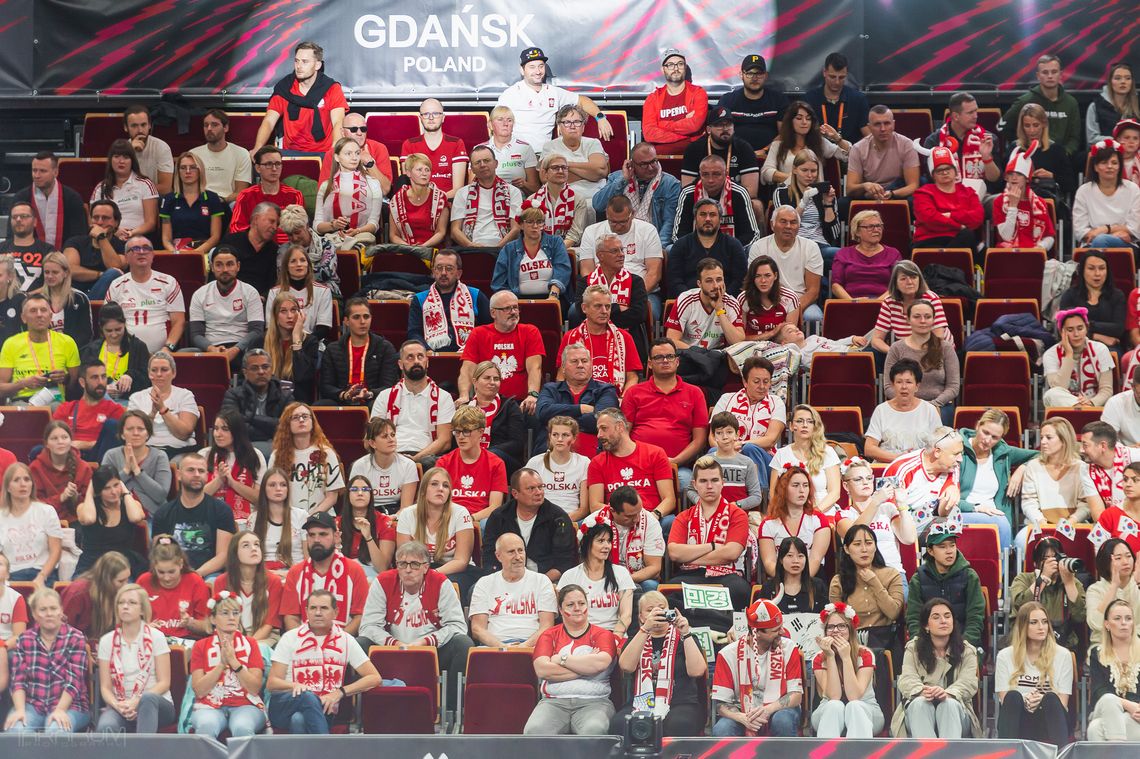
x: 369, y: 165
x: 562, y: 660
x: 171, y: 347
x: 533, y: 393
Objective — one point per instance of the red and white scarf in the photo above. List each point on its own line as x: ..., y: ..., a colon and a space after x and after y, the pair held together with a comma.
x: 643, y: 202
x: 461, y: 311
x: 395, y: 398
x: 350, y: 197
x: 631, y: 554
x: 657, y: 679
x: 1084, y: 378
x: 715, y: 531
x: 243, y: 647
x: 748, y: 674
x: 559, y: 211
x: 490, y: 412
x: 41, y: 232
x: 727, y: 220
x: 145, y: 663
x: 971, y: 165
x: 336, y: 580
x: 620, y: 286
x: 1130, y: 169
x: 500, y: 207
x: 437, y: 200
x: 748, y: 413
x: 1107, y: 483
x: 615, y: 350
x: 320, y: 666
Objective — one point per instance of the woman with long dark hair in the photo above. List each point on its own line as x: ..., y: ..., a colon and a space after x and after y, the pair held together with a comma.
x: 108, y: 521
x: 939, y: 363
x: 367, y: 535
x: 278, y: 524
x: 799, y: 129
x: 124, y: 355
x: 1117, y: 100
x: 234, y: 466
x: 792, y: 589
x: 59, y: 473
x: 938, y: 681
x: 296, y: 276
x: 135, y: 195
x: 608, y: 586
x: 865, y: 583
x: 259, y: 590
x: 1094, y: 290
x: 766, y: 305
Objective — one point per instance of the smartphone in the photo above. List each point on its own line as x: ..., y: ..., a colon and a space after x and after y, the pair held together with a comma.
x: 886, y: 482
x: 823, y: 187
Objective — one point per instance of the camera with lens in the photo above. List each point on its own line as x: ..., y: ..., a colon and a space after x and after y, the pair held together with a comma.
x: 671, y: 616
x: 1070, y: 563
x: 642, y: 733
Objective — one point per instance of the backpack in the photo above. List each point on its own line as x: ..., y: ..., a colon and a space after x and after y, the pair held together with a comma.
x: 1058, y: 277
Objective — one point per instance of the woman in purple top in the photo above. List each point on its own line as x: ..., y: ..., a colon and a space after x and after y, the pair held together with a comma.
x: 863, y: 270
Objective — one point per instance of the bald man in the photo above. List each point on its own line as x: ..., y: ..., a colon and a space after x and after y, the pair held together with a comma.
x: 448, y: 154
x: 514, y: 605
x: 374, y: 158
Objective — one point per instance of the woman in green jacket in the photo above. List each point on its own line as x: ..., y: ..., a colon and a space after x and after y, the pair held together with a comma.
x: 986, y: 483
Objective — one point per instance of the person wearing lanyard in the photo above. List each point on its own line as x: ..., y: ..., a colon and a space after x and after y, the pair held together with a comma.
x: 34, y: 364
x: 842, y: 109
x: 361, y: 363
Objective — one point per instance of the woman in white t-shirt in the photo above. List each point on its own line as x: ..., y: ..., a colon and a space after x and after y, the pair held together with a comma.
x: 1034, y: 681
x: 810, y: 450
x: 518, y: 164
x: 393, y: 476
x: 878, y: 510
x: 300, y: 448
x: 608, y: 586
x: 589, y: 163
x: 444, y: 527
x: 30, y: 535
x: 277, y: 524
x: 903, y: 423
x: 134, y: 669
x: 562, y: 469
x: 791, y: 513
x: 173, y: 410
x: 295, y: 276
x: 134, y: 194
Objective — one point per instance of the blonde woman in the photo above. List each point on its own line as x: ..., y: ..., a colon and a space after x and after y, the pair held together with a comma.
x: 810, y: 450
x: 1114, y: 667
x: 802, y: 190
x: 879, y: 510
x: 30, y: 535
x: 134, y: 669
x: 1034, y: 681
x: 292, y: 352
x: 441, y: 525
x: 518, y: 163
x: 173, y: 410
x: 348, y: 202
x: 70, y: 308
x: 863, y: 270
x: 419, y: 209
x: 225, y: 675
x: 844, y: 675
x: 191, y: 216
x: 1057, y: 484
x: 1052, y: 168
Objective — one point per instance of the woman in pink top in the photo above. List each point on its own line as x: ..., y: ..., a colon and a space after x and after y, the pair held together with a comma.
x: 863, y: 270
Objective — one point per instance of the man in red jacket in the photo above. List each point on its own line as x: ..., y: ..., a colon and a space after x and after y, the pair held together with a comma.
x: 674, y: 113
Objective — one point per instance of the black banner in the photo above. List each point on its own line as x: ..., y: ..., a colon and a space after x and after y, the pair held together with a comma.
x: 423, y: 746
x: 747, y: 748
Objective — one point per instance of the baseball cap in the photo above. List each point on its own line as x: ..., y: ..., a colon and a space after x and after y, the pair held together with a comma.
x: 531, y: 54
x: 754, y: 61
x: 670, y: 53
x: 320, y: 519
x: 720, y: 113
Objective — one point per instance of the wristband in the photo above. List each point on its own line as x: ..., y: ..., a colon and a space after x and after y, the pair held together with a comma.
x: 721, y: 312
x: 988, y: 160
x: 343, y: 692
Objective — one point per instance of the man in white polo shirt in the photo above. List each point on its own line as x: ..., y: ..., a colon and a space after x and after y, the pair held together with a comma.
x: 513, y: 606
x: 150, y: 299
x: 535, y: 103
x: 226, y: 315
x: 1122, y: 411
x: 420, y: 410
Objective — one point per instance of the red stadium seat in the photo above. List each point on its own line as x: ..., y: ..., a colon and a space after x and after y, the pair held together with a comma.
x: 913, y: 122
x: 188, y: 268
x: 414, y: 709
x: 841, y: 419
x: 617, y: 147
x: 445, y: 367
x: 547, y: 316
x: 305, y: 166
x: 1078, y: 417
x: 348, y: 272
x: 478, y: 269
x: 344, y: 427
x: 1078, y: 547
x: 99, y: 131
x: 955, y: 319
x: 82, y: 174
x: 987, y: 310
x: 956, y: 258
x: 390, y: 319
x: 979, y: 541
x: 23, y: 428
x: 391, y: 129
x: 1013, y: 273
x: 670, y: 164
x: 908, y: 552
x: 966, y: 417
x: 202, y: 369
x: 843, y: 379
x: 988, y: 119
x: 179, y: 678
x: 471, y: 127
x: 997, y: 379
x: 1120, y: 261
x: 500, y: 691
x: 24, y: 588
x: 398, y: 262
x: 844, y: 318
x: 896, y: 221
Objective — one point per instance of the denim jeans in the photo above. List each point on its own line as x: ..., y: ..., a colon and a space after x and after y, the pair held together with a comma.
x: 35, y: 722
x: 97, y: 290
x: 1107, y: 241
x: 241, y: 720
x: 783, y: 724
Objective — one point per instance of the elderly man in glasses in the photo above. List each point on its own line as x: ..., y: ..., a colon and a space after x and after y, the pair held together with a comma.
x: 151, y: 301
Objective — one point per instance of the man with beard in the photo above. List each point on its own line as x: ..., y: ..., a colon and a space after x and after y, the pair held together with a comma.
x: 691, y: 321
x: 642, y: 466
x: 228, y: 167
x: 737, y: 217
x: 325, y: 569
x: 156, y: 162
x: 708, y: 240
x: 651, y: 192
x: 374, y: 159
x: 226, y: 315
x: 311, y: 103
x: 420, y: 410
x: 448, y: 154
x: 757, y: 111
x: 201, y: 524
x: 26, y: 251
x: 517, y: 350
x: 93, y: 418
x: 96, y: 257
x: 259, y: 398
x: 721, y: 140
x: 514, y: 605
x: 59, y: 212
x: 550, y: 542
x: 256, y: 246
x: 674, y: 112
x: 443, y: 316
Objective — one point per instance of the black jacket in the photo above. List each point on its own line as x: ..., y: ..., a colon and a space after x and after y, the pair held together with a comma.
x: 137, y: 358
x: 380, y: 368
x: 77, y: 318
x: 553, y: 543
x: 243, y: 399
x: 305, y: 364
x: 74, y: 214
x: 508, y: 434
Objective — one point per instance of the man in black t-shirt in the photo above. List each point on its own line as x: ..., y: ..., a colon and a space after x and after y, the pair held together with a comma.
x: 757, y: 111
x: 201, y: 524
x: 27, y: 252
x: 721, y: 140
x: 257, y: 247
x: 97, y: 258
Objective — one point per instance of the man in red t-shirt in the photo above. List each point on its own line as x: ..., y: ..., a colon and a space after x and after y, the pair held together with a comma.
x: 614, y: 353
x: 515, y: 348
x: 478, y: 477
x: 94, y: 419
x: 325, y: 569
x: 448, y: 154
x: 313, y: 105
x: 268, y: 163
x: 643, y: 466
x: 668, y: 412
x: 374, y: 159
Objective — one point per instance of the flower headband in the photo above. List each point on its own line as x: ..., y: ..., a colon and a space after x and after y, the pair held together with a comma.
x: 853, y: 461
x: 789, y: 465
x: 600, y: 519
x: 1106, y: 145
x: 222, y: 596
x: 839, y: 608
x: 1064, y: 314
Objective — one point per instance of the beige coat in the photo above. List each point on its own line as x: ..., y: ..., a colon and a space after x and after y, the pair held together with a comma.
x: 963, y: 685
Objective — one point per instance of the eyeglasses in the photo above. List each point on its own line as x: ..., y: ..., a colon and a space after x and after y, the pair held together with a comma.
x: 356, y: 129
x: 271, y: 164
x: 410, y: 564
x: 559, y: 167
x: 359, y: 489
x: 572, y: 122
x: 20, y: 216
x: 870, y: 226
x: 431, y: 115
x: 457, y: 433
x: 140, y: 249
x: 301, y: 417
x: 505, y: 308
x: 673, y: 65
x: 646, y: 164
x: 445, y: 267
x: 664, y: 359
x: 834, y: 628
x: 752, y: 74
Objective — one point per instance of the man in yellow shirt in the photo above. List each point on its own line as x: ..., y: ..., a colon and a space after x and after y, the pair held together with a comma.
x: 37, y: 360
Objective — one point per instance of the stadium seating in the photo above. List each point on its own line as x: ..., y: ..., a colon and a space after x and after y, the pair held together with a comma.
x: 956, y: 258
x: 410, y: 710
x: 915, y: 123
x: 348, y: 272
x: 82, y: 174
x: 344, y: 427
x: 1013, y: 273
x: 844, y: 318
x: 843, y: 379
x: 997, y: 379
x: 390, y: 319
x: 896, y: 221
x: 500, y: 690
x: 966, y: 417
x: 1121, y: 263
x: 23, y: 428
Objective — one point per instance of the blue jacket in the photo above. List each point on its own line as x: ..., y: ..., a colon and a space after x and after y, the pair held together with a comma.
x: 556, y: 400
x: 664, y: 202
x: 1006, y: 459
x: 506, y: 276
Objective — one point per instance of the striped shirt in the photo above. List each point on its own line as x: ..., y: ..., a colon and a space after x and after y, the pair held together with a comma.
x: 892, y: 316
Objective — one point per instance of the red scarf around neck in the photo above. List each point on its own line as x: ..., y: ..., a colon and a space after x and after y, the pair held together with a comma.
x: 620, y: 286
x: 500, y: 207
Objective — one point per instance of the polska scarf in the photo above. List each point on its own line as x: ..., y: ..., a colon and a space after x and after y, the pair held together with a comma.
x: 437, y: 201
x: 1108, y: 482
x: 319, y: 666
x: 336, y: 579
x: 395, y: 398
x: 749, y: 413
x: 631, y: 555
x: 620, y: 286
x: 748, y: 673
x: 462, y: 312
x: 724, y: 202
x: 615, y: 350
x: 490, y: 412
x: 642, y: 202
x: 41, y: 232
x: 1084, y: 378
x: 145, y: 663
x: 242, y: 650
x: 500, y: 207
x: 350, y: 197
x: 657, y: 678
x: 559, y: 211
x: 714, y: 531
